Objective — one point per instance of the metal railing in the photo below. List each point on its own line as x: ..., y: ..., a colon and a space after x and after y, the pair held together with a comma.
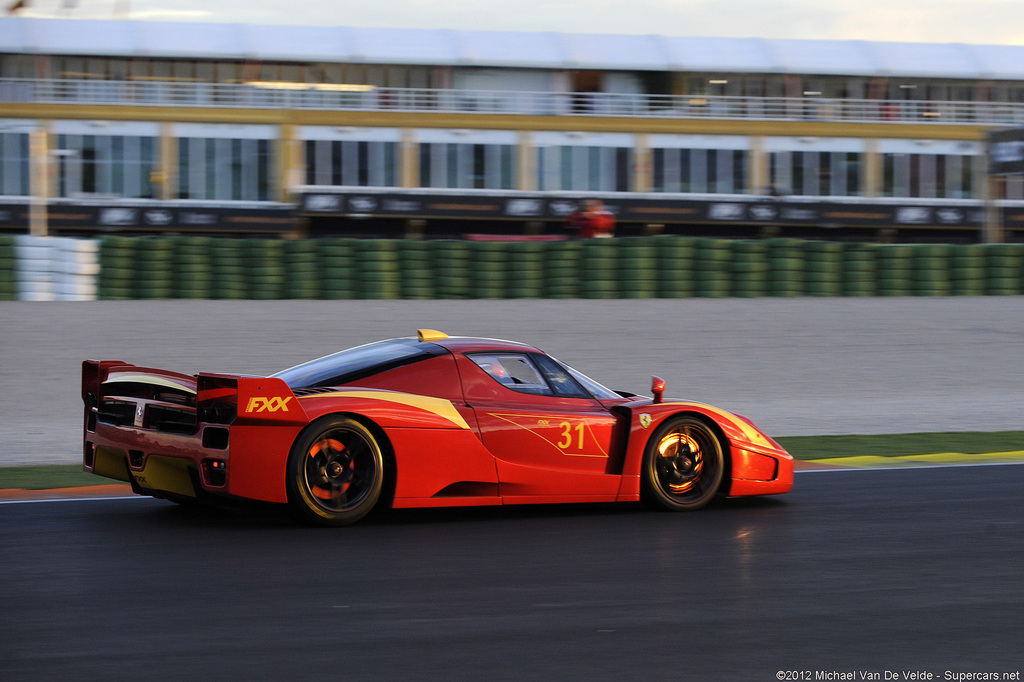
x: 355, y: 98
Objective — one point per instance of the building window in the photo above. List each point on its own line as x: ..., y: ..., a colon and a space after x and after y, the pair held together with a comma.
x: 466, y: 166
x: 701, y: 171
x: 938, y: 176
x: 817, y: 173
x: 351, y: 163
x: 584, y: 168
x: 221, y: 169
x: 108, y: 165
x: 14, y: 164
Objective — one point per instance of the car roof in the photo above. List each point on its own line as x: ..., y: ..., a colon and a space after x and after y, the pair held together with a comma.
x: 468, y: 344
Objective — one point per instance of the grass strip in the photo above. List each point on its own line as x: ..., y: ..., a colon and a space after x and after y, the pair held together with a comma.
x: 903, y: 444
x: 48, y: 477
x: 801, y: 447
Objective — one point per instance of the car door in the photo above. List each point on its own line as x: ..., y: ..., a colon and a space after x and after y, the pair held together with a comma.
x: 549, y: 437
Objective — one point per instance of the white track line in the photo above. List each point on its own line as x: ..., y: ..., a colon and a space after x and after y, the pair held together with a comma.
x: 845, y: 470
x: 906, y: 467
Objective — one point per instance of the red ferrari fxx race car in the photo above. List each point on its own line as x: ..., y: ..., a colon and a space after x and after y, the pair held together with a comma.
x: 425, y: 421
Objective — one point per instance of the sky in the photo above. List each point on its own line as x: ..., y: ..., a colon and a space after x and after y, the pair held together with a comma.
x: 938, y: 21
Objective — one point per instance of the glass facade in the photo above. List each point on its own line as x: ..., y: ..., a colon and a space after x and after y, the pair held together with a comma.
x: 239, y: 164
x: 105, y: 165
x: 938, y: 176
x: 817, y: 173
x: 584, y: 168
x: 223, y: 169
x: 14, y: 164
x: 467, y: 166
x: 351, y: 163
x: 700, y: 171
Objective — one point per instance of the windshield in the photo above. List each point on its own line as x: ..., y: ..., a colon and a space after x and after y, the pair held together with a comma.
x: 596, y: 389
x: 357, y: 363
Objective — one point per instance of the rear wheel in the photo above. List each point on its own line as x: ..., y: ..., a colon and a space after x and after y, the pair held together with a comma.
x: 335, y: 472
x: 683, y: 464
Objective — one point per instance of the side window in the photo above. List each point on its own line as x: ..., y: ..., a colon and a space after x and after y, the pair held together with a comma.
x: 561, y: 381
x: 514, y: 370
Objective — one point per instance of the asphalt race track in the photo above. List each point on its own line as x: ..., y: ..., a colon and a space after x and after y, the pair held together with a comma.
x: 794, y: 366
x: 855, y: 571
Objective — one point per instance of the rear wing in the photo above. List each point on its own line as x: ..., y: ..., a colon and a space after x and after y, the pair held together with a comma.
x: 247, y: 400
x: 123, y: 394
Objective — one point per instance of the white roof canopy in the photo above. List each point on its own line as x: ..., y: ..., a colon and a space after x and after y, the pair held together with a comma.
x: 507, y: 49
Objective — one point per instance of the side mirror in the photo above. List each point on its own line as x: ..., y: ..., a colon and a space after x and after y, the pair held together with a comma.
x: 658, y: 389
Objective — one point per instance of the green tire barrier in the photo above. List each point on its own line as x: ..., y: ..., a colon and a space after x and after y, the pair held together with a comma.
x: 785, y: 267
x: 599, y: 266
x: 524, y: 276
x: 1003, y: 269
x: 8, y: 269
x: 377, y: 269
x: 967, y: 269
x: 895, y: 266
x: 264, y: 268
x: 931, y: 270
x: 451, y: 259
x: 665, y: 266
x: 676, y: 269
x: 336, y: 262
x: 563, y: 269
x: 301, y: 269
x: 228, y: 273
x: 417, y: 273
x: 823, y: 268
x: 859, y: 270
x: 749, y: 269
x: 638, y: 268
x: 713, y: 268
x: 487, y: 274
x: 153, y: 272
x: 193, y: 269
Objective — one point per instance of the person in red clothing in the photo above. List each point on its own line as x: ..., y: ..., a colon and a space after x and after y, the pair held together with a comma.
x: 594, y: 220
x: 601, y: 222
x: 578, y: 223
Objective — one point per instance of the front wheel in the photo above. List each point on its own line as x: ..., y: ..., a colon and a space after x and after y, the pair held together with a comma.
x: 683, y: 464
x: 335, y: 472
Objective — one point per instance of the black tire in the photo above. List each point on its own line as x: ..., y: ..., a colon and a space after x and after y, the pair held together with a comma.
x: 684, y: 464
x: 335, y: 472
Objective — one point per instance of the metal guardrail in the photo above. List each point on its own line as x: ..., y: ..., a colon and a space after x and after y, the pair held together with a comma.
x: 358, y: 98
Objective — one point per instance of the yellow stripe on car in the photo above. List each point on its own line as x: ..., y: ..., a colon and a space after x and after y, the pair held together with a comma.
x: 439, y: 406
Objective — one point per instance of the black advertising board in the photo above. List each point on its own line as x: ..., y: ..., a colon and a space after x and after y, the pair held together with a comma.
x: 170, y: 217
x: 764, y: 211
x: 1006, y: 151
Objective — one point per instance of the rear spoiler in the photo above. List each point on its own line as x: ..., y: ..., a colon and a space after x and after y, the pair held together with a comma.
x: 219, y: 398
x: 250, y: 400
x: 95, y: 373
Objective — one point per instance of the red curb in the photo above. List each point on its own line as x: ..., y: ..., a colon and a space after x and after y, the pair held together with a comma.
x: 84, y: 492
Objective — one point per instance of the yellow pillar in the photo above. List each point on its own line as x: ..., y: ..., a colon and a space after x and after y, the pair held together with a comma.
x: 872, y: 169
x: 526, y: 163
x: 642, y: 172
x: 39, y: 181
x: 409, y: 160
x: 291, y: 164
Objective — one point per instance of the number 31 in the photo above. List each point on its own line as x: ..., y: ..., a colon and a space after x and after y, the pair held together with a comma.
x: 566, y: 439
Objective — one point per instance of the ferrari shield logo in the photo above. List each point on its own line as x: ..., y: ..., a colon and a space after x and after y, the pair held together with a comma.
x: 645, y: 420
